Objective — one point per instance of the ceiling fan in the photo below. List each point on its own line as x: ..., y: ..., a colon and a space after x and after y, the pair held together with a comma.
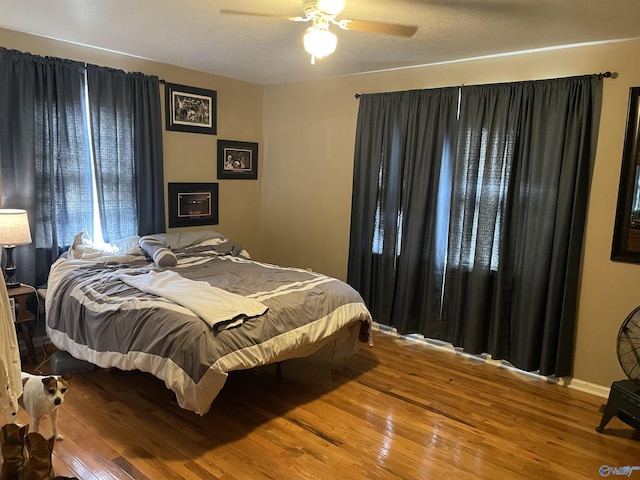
x: 319, y: 41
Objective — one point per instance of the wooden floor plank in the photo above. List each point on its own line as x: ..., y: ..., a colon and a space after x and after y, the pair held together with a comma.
x: 401, y: 410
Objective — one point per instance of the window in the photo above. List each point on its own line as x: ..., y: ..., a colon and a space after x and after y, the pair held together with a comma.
x: 88, y: 152
x: 470, y: 230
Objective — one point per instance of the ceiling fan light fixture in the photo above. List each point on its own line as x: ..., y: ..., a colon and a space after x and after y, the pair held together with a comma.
x: 332, y: 7
x: 319, y: 42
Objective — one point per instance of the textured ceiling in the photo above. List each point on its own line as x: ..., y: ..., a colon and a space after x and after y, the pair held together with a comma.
x: 194, y: 34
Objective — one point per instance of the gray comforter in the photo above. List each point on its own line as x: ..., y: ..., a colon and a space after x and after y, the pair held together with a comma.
x: 94, y: 315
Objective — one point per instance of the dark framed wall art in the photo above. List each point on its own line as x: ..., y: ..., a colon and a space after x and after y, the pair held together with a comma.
x: 626, y: 234
x: 237, y: 160
x: 193, y: 204
x: 190, y: 109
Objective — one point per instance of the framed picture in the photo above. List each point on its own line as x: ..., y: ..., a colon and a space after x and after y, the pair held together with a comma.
x: 190, y: 109
x: 237, y: 160
x: 626, y: 234
x: 192, y: 204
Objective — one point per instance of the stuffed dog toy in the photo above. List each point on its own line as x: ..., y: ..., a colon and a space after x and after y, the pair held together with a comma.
x: 42, y: 395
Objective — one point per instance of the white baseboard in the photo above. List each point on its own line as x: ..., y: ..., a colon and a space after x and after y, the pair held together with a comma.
x: 588, y: 387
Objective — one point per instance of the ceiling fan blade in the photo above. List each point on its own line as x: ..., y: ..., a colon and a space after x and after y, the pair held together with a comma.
x: 378, y: 27
x: 254, y: 14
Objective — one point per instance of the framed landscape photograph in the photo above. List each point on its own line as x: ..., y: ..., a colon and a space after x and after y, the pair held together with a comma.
x: 190, y: 109
x: 193, y: 204
x: 237, y: 160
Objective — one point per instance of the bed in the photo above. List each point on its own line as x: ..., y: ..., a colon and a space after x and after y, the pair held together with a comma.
x: 191, y: 307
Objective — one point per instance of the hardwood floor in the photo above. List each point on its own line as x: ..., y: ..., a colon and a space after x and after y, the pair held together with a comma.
x: 398, y: 410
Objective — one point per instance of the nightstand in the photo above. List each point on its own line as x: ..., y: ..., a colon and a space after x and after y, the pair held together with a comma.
x: 23, y: 315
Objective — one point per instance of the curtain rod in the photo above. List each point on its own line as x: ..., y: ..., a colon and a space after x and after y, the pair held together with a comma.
x: 606, y: 74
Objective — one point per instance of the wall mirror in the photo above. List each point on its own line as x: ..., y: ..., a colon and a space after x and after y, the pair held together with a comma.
x: 626, y: 235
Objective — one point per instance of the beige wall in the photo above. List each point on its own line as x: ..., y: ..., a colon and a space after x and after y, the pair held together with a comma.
x: 297, y: 213
x: 188, y: 157
x: 309, y: 130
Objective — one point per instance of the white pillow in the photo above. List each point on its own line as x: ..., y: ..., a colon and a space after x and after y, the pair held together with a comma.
x: 83, y: 247
x: 127, y: 245
x: 75, y: 250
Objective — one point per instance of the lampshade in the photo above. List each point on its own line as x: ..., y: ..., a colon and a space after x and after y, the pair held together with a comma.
x: 14, y: 227
x: 14, y: 230
x: 319, y: 42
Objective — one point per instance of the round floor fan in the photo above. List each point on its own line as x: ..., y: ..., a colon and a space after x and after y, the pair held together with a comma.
x: 629, y: 346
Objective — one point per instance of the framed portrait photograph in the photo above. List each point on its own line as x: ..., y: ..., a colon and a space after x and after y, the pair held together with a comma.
x: 190, y: 109
x: 193, y: 204
x: 237, y: 160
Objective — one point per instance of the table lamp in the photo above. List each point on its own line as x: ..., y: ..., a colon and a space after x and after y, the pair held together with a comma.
x: 14, y: 230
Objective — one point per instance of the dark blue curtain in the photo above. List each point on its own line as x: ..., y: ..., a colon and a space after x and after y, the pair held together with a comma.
x: 519, y: 201
x: 127, y: 146
x: 47, y: 137
x: 44, y: 152
x: 404, y: 142
x: 516, y: 183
